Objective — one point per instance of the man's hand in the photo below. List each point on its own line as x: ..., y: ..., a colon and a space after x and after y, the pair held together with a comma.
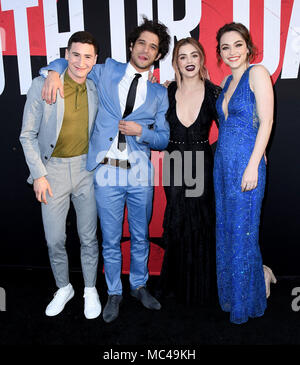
x: 40, y: 187
x: 51, y: 85
x: 130, y: 128
x: 152, y: 78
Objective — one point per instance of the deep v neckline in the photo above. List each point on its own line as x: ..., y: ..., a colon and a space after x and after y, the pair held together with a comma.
x: 228, y: 81
x: 197, y: 114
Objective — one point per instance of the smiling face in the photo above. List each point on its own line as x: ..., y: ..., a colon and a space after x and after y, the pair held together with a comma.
x: 81, y: 58
x: 188, y: 61
x: 233, y: 50
x: 144, y: 51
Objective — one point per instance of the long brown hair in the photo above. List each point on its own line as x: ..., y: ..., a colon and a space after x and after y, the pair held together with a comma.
x: 203, y: 74
x: 244, y: 32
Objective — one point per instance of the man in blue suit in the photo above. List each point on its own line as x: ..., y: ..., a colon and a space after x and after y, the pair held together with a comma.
x: 130, y: 122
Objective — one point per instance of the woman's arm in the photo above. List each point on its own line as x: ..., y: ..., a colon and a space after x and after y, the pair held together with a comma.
x: 261, y: 85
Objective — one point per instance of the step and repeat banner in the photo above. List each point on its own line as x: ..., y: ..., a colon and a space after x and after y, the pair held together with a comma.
x: 34, y: 32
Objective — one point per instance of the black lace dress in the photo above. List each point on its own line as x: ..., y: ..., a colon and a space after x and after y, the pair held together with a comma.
x: 189, y: 270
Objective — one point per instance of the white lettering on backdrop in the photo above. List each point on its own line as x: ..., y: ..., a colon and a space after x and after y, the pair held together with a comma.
x: 179, y: 29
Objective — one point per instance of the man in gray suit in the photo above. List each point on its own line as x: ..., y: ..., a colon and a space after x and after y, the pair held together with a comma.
x: 55, y: 142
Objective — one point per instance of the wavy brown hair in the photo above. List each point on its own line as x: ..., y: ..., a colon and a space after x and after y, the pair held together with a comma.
x: 244, y: 32
x: 203, y: 74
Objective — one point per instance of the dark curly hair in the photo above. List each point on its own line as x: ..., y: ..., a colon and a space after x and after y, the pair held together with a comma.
x: 244, y: 32
x: 154, y: 27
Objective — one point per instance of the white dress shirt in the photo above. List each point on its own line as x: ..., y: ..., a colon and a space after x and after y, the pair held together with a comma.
x: 141, y: 93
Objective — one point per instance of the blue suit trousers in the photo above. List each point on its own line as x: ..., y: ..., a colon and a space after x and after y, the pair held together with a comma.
x: 113, y: 189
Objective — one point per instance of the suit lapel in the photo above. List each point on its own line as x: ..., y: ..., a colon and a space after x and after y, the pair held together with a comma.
x: 91, y: 102
x: 60, y: 108
x: 116, y: 77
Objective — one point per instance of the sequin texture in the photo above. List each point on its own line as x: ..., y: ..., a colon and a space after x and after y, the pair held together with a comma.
x: 241, y: 285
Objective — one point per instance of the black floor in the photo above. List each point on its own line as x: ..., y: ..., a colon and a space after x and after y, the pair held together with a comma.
x: 29, y: 291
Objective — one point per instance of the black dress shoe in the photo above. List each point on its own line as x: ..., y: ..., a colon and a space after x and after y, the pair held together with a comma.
x: 146, y: 298
x: 111, y: 309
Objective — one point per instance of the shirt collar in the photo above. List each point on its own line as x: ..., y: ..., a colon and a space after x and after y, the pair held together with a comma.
x: 73, y: 84
x: 131, y: 71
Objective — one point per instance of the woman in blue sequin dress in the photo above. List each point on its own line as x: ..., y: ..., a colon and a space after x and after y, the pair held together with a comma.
x: 245, y: 109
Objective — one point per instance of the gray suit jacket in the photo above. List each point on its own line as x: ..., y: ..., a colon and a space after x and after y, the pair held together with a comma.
x: 42, y: 124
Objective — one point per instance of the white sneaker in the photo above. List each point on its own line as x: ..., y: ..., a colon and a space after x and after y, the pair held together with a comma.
x: 61, y: 297
x: 92, y: 305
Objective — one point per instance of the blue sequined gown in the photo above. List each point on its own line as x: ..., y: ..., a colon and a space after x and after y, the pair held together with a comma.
x: 240, y: 276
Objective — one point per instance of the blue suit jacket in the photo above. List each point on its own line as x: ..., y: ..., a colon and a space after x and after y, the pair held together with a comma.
x: 150, y: 115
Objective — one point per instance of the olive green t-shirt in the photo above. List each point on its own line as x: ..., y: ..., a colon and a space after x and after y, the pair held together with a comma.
x: 73, y: 138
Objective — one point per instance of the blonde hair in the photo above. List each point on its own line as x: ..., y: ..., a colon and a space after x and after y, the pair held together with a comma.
x: 203, y: 74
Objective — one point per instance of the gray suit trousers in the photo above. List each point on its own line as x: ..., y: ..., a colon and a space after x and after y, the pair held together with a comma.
x: 70, y: 181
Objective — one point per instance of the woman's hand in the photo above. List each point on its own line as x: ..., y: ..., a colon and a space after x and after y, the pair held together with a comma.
x: 167, y: 83
x: 265, y: 157
x: 250, y: 178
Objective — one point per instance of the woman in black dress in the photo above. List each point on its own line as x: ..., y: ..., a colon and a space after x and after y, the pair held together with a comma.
x: 188, y: 270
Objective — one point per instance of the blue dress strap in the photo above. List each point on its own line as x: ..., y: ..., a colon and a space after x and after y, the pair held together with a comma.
x: 248, y: 70
x: 227, y: 83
